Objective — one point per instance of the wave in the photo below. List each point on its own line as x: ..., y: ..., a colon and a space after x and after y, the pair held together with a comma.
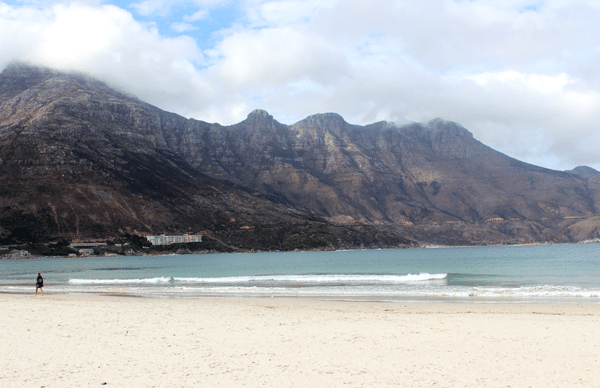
x: 340, y: 278
x: 537, y: 291
x: 286, y: 279
x: 393, y: 287
x: 121, y: 281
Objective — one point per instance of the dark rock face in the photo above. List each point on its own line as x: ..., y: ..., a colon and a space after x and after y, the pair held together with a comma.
x: 431, y: 181
x: 80, y: 159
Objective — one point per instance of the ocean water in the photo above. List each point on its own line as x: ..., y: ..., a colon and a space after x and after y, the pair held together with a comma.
x: 543, y: 273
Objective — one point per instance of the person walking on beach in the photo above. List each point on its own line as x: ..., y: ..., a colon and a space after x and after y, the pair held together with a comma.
x: 39, y: 284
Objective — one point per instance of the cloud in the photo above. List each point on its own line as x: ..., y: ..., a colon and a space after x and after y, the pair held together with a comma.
x: 107, y: 42
x: 183, y: 27
x: 197, y: 16
x: 272, y: 57
x: 151, y: 7
x: 522, y: 76
x: 547, y: 115
x: 162, y: 8
x: 273, y: 13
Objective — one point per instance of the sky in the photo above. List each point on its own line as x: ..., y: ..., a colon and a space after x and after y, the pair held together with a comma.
x: 522, y: 76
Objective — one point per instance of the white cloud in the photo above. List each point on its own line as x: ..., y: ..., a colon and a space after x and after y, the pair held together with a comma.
x: 79, y: 33
x: 523, y: 79
x: 541, y: 83
x: 183, y: 27
x: 150, y: 7
x: 284, y: 12
x: 272, y: 57
x: 162, y: 8
x: 108, y: 43
x: 197, y: 16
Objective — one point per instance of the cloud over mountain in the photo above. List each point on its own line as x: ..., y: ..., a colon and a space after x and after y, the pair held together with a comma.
x: 523, y: 77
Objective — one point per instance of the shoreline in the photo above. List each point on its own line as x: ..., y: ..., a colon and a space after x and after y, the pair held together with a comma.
x: 379, y: 278
x: 92, y: 340
x: 333, y: 298
x: 204, y: 252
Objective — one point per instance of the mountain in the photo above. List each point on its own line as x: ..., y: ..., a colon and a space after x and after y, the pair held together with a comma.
x: 80, y: 159
x: 432, y: 181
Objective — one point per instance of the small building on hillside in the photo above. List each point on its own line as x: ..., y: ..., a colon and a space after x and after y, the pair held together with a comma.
x: 80, y: 245
x: 87, y: 248
x: 165, y: 239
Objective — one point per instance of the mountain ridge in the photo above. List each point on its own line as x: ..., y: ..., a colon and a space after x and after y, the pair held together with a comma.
x: 431, y: 182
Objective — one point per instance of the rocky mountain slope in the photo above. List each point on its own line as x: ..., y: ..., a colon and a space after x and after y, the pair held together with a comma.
x: 80, y: 159
x: 432, y: 181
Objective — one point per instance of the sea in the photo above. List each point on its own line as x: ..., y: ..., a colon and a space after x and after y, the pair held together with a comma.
x: 564, y: 273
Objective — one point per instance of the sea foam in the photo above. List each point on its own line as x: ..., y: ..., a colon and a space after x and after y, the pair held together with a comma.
x: 338, y: 278
x: 121, y: 281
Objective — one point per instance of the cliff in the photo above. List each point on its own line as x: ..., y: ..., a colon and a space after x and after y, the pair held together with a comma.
x: 432, y: 181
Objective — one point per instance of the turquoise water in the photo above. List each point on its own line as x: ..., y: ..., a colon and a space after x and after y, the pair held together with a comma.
x: 483, y: 274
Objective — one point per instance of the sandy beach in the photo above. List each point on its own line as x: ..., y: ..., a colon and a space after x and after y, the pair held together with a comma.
x: 98, y: 340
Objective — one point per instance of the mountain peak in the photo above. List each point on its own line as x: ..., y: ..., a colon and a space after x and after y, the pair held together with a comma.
x: 585, y: 171
x: 327, y: 116
x: 259, y: 113
x: 323, y: 119
x: 257, y: 119
x: 17, y: 77
x: 441, y: 125
x: 22, y: 68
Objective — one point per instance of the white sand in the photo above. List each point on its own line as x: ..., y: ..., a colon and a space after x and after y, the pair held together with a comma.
x: 81, y: 341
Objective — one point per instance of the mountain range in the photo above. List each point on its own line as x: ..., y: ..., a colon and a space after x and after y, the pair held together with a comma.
x: 81, y: 160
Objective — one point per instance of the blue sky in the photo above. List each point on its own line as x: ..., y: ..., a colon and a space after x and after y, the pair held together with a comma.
x: 175, y: 18
x: 523, y: 76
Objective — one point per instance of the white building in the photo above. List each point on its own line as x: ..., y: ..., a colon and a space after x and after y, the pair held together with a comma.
x: 164, y: 239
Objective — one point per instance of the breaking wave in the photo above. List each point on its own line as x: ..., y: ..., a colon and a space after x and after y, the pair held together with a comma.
x: 121, y: 281
x: 346, y: 279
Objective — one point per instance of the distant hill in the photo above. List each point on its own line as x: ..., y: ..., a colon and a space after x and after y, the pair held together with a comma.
x: 79, y: 159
